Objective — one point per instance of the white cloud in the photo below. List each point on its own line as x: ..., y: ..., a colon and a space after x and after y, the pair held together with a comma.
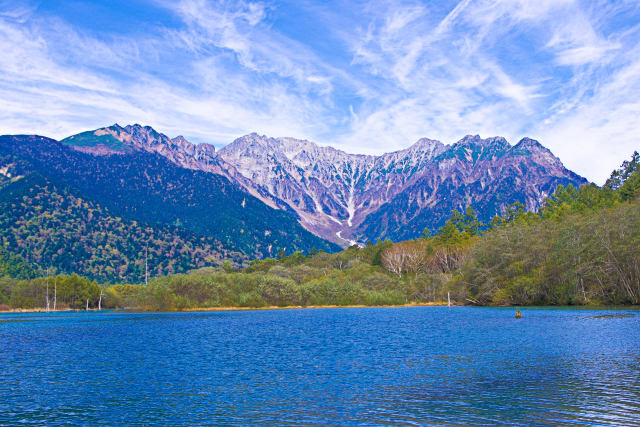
x: 595, y: 136
x: 577, y: 43
x: 449, y: 79
x: 562, y: 71
x: 57, y: 81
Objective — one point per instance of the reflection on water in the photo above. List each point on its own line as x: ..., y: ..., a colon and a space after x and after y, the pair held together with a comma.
x: 426, y: 365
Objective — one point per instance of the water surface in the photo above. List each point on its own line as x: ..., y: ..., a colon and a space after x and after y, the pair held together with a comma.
x: 422, y: 365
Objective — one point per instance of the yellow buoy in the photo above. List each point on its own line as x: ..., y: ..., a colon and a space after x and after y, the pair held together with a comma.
x: 518, y: 314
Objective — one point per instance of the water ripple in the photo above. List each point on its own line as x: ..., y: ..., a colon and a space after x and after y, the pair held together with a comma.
x: 370, y: 366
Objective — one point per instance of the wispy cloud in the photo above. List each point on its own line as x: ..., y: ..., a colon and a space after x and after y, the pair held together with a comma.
x: 57, y: 80
x: 541, y: 68
x: 366, y: 76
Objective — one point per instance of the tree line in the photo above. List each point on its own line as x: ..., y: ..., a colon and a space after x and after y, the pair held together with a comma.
x: 580, y: 248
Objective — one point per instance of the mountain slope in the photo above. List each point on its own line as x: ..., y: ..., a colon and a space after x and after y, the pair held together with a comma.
x: 131, y: 138
x: 48, y: 225
x: 347, y: 197
x: 485, y: 174
x: 317, y: 182
x: 148, y: 187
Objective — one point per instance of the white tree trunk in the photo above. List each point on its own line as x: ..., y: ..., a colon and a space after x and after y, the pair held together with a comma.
x: 146, y: 265
x: 47, y: 290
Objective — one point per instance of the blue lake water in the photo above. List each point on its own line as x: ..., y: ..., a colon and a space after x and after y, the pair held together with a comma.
x: 422, y: 365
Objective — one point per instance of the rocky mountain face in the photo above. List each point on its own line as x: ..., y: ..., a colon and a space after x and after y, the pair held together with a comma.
x: 353, y: 198
x: 319, y: 183
x: 134, y: 138
x: 487, y: 174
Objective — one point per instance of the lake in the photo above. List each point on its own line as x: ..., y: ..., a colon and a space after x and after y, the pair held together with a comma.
x: 418, y: 365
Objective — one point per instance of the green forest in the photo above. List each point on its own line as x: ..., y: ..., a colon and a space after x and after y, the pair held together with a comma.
x: 99, y: 216
x: 581, y: 248
x: 46, y: 225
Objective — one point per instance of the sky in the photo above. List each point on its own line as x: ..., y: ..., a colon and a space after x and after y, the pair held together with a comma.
x: 365, y: 77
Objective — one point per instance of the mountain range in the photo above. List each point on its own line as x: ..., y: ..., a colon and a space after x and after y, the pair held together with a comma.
x: 348, y: 198
x: 260, y: 195
x: 354, y: 198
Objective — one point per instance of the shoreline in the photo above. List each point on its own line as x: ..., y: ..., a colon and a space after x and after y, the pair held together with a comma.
x: 225, y: 308
x: 300, y: 307
x: 44, y: 310
x: 409, y: 305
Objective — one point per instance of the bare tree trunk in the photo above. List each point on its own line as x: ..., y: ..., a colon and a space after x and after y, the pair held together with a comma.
x: 584, y: 293
x: 47, y: 289
x: 55, y: 292
x: 100, y: 300
x: 146, y: 266
x: 87, y: 304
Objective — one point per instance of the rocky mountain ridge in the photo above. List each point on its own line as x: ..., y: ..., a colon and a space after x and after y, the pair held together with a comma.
x: 359, y: 197
x: 353, y: 198
x: 120, y: 140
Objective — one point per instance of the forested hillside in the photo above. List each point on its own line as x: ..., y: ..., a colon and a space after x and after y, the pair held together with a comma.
x: 196, y: 218
x: 581, y: 248
x: 584, y: 250
x: 48, y: 226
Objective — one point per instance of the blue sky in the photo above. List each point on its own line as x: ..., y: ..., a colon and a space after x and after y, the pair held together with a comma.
x: 367, y: 77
